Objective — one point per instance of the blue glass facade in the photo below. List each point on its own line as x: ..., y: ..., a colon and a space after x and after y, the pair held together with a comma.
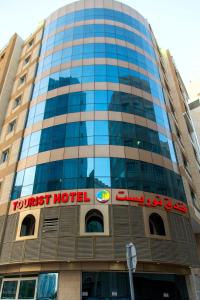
x: 97, y: 13
x: 129, y: 61
x: 98, y: 50
x: 98, y: 172
x: 98, y: 73
x: 98, y: 30
x: 97, y: 133
x: 98, y: 100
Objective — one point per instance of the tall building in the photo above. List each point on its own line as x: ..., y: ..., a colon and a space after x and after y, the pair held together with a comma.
x: 195, y: 114
x: 97, y: 151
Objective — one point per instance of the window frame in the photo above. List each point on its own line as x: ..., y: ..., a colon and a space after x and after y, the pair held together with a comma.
x: 36, y: 214
x: 27, y: 60
x: 155, y: 226
x: 18, y: 280
x: 104, y: 210
x: 22, y: 79
x: 12, y: 126
x: 30, y: 226
x: 5, y: 158
x: 31, y: 42
x: 17, y: 101
x: 147, y: 211
x: 91, y: 214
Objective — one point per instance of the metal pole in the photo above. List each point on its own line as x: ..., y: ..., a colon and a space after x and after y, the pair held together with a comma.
x: 131, y: 284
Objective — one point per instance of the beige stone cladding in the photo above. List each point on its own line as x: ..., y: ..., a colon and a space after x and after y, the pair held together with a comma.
x: 16, y: 97
x: 186, y: 144
x: 195, y: 113
x: 9, y: 57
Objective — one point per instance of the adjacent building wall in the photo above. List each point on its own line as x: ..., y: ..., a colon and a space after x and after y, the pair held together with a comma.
x: 9, y: 59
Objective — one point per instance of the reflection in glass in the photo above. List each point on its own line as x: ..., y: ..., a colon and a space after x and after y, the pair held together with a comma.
x: 9, y: 290
x: 27, y: 289
x: 47, y: 286
x: 101, y: 100
x: 102, y: 167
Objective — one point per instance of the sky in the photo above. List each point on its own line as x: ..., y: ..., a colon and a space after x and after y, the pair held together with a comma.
x: 176, y: 25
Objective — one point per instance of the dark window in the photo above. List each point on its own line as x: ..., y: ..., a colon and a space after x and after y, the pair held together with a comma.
x: 27, y: 289
x: 11, y: 126
x: 27, y: 59
x: 22, y: 79
x: 156, y: 224
x: 31, y: 42
x: 94, y: 221
x: 28, y: 226
x: 19, y: 289
x: 4, y: 156
x: 17, y: 101
x: 9, y: 290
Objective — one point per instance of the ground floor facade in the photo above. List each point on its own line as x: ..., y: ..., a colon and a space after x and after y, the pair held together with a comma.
x: 74, y: 281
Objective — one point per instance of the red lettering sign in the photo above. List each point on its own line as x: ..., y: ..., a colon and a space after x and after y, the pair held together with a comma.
x: 81, y: 197
x: 72, y: 197
x: 157, y: 201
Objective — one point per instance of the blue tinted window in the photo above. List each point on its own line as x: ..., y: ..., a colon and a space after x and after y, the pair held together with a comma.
x: 105, y: 100
x: 29, y: 176
x: 99, y: 30
x: 102, y: 167
x: 95, y: 13
x: 108, y: 73
x: 71, y: 168
x: 47, y: 286
x: 100, y: 133
x: 99, y: 172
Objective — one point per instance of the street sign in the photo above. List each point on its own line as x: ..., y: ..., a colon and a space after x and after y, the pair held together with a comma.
x: 131, y: 257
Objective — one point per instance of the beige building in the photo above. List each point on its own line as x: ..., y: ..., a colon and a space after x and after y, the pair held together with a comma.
x: 195, y: 113
x: 97, y: 150
x: 193, y: 88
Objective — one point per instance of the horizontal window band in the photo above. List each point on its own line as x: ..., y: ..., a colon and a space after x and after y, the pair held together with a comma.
x: 98, y: 73
x: 97, y: 86
x: 98, y: 132
x: 97, y: 30
x: 96, y: 14
x: 98, y: 172
x: 97, y: 100
x: 97, y: 116
x: 96, y: 51
x: 96, y: 151
x: 97, y: 40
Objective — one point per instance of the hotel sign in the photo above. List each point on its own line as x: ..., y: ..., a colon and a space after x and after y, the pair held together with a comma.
x: 72, y: 197
x: 157, y: 201
x: 102, y: 196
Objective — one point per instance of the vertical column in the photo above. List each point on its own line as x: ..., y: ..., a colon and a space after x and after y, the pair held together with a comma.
x: 69, y: 285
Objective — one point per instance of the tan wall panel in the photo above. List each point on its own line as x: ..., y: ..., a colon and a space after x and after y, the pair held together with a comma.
x: 6, y: 188
x: 69, y: 285
x: 105, y: 151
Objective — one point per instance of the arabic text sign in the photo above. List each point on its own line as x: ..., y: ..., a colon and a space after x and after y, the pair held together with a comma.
x: 157, y: 201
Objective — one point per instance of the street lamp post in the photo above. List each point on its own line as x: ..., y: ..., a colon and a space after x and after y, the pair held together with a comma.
x: 131, y: 263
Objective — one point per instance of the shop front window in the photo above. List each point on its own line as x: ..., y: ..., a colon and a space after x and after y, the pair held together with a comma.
x: 42, y: 287
x: 18, y: 289
x: 115, y: 285
x: 9, y: 290
x: 47, y: 286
